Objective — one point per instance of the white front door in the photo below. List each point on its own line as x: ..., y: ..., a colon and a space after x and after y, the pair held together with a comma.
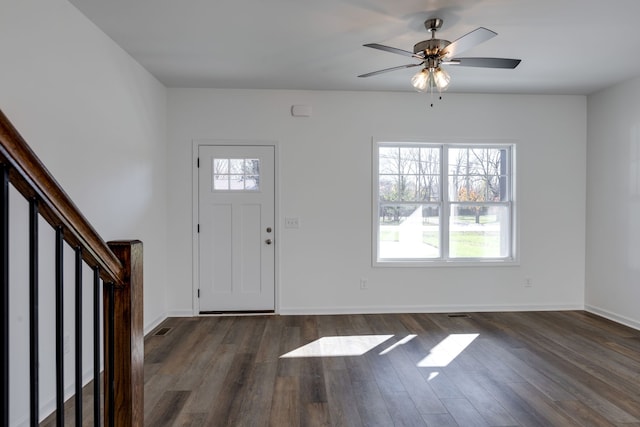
x: 236, y: 186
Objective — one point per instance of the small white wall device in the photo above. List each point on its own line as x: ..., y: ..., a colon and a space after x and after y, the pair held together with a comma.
x: 301, y: 110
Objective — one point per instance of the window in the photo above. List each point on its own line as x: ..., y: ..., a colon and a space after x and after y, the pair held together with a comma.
x: 441, y: 203
x: 236, y: 174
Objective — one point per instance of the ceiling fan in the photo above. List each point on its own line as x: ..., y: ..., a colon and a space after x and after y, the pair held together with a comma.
x: 433, y: 53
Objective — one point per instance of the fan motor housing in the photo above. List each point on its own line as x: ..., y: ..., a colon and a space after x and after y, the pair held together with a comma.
x: 430, y: 47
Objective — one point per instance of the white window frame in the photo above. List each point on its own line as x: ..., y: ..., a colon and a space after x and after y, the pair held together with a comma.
x: 445, y: 204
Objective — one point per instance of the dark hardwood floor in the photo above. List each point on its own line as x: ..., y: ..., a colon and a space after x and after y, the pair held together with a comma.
x: 488, y: 369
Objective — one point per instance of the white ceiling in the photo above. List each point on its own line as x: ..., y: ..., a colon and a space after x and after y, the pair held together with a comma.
x: 566, y: 46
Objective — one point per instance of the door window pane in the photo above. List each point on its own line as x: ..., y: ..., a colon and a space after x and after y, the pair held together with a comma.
x: 236, y: 174
x: 220, y: 166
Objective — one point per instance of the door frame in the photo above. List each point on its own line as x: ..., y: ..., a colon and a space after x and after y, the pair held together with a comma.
x: 195, y: 272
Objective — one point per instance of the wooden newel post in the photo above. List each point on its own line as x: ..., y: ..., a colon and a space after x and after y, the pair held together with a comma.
x: 128, y: 338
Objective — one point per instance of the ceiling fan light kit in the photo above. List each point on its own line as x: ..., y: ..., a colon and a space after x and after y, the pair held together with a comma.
x: 426, y: 79
x: 436, y: 52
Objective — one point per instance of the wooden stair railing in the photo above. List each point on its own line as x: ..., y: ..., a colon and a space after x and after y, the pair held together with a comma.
x: 119, y: 266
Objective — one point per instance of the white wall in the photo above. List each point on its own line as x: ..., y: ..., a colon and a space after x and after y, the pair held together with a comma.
x: 325, y: 179
x: 613, y: 203
x: 98, y: 121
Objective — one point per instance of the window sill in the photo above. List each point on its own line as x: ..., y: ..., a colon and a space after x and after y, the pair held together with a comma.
x: 507, y: 262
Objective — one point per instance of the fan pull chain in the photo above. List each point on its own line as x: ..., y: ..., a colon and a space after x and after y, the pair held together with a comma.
x: 431, y: 94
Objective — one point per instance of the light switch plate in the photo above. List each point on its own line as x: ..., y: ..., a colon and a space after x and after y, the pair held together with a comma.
x: 292, y: 222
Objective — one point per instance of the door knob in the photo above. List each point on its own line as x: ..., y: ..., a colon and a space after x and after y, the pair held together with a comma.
x: 268, y: 241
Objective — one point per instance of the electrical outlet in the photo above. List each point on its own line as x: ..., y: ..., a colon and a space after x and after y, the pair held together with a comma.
x: 528, y: 282
x: 363, y: 284
x: 65, y: 344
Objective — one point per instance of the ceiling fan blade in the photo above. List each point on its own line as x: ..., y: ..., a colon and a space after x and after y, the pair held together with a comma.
x: 386, y: 70
x: 393, y: 50
x: 467, y: 41
x: 484, y: 62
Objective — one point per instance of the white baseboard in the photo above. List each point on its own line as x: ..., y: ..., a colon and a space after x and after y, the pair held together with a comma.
x: 427, y: 309
x: 624, y: 320
x: 154, y: 323
x: 180, y: 313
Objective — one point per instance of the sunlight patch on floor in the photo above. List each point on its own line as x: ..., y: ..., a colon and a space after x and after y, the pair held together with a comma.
x: 353, y: 345
x: 357, y: 345
x: 447, y: 350
x: 399, y: 343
